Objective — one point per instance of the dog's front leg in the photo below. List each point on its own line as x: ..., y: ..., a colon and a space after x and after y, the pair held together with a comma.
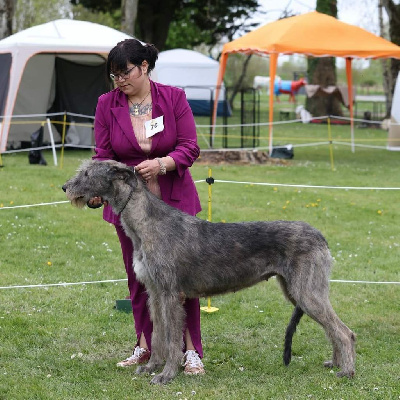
x: 172, y: 319
x: 157, y: 354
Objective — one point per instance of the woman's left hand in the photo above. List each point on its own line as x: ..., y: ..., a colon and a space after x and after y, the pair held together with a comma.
x: 148, y: 169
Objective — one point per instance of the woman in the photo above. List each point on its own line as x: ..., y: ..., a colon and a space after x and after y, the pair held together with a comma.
x: 150, y: 126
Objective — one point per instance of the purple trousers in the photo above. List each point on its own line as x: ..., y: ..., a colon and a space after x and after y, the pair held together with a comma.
x: 138, y: 296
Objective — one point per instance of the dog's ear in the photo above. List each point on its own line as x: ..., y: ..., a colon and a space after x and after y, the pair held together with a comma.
x: 126, y: 174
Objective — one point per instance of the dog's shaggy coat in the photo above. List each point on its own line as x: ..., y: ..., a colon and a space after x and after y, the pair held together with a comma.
x: 177, y: 255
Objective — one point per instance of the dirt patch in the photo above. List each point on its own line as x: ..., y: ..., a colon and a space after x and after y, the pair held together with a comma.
x: 243, y: 157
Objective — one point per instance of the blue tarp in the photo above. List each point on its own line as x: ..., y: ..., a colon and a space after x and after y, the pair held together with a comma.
x: 205, y: 108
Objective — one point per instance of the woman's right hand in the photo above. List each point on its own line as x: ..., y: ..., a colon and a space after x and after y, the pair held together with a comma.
x: 95, y: 202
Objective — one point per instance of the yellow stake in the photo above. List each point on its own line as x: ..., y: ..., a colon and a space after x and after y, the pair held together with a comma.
x: 209, y: 196
x: 330, y: 144
x: 63, y: 140
x: 210, y: 181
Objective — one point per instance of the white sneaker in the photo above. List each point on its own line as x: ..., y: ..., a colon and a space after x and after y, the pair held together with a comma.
x: 192, y: 363
x: 139, y: 356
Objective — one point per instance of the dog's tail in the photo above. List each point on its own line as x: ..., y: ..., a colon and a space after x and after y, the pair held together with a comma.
x: 290, y: 330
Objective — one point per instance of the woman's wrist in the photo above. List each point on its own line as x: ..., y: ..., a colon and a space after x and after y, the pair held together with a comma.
x: 163, y: 167
x: 168, y: 162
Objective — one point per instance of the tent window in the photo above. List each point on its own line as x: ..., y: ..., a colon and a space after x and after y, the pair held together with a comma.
x: 5, y: 65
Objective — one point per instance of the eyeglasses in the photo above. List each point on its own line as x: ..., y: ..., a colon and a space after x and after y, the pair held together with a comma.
x: 123, y: 75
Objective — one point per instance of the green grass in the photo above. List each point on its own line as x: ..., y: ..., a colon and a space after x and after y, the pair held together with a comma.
x: 64, y: 342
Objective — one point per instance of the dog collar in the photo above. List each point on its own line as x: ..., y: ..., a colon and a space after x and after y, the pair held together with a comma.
x: 127, y: 201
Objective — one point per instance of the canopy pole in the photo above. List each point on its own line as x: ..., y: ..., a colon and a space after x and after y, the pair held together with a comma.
x: 53, y: 146
x: 273, y: 60
x: 64, y: 129
x: 350, y: 95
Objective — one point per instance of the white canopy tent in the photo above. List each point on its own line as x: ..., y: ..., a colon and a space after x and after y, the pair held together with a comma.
x: 57, y: 66
x: 195, y: 73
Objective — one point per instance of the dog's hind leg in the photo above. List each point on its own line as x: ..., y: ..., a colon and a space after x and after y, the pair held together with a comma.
x: 309, y: 289
x: 172, y: 318
x: 342, y: 338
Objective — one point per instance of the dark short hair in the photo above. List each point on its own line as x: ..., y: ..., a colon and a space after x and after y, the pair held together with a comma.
x: 131, y: 51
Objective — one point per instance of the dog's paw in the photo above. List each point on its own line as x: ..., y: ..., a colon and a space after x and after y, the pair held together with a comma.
x: 161, y: 379
x: 144, y: 369
x: 140, y: 370
x: 148, y: 368
x: 348, y: 374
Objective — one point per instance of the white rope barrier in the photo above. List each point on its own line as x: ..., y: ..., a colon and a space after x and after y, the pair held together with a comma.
x: 209, y: 149
x: 325, y: 117
x: 56, y: 146
x: 362, y: 120
x: 10, y: 117
x: 31, y: 115
x: 255, y: 149
x: 309, y: 186
x: 46, y: 115
x: 360, y: 145
x: 35, y: 205
x: 366, y: 282
x: 65, y: 284
x: 31, y: 148
x: 201, y: 134
x: 239, y: 183
x: 253, y: 124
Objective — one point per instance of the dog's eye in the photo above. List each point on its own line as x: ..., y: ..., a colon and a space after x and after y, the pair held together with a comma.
x: 86, y: 173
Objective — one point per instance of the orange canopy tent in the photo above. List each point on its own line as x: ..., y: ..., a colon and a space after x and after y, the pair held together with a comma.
x: 312, y: 34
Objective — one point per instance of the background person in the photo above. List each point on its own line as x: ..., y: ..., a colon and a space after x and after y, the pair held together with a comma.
x: 150, y: 126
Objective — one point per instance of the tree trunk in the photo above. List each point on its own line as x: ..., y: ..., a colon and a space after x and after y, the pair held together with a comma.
x: 393, y: 11
x: 7, y: 9
x: 322, y: 71
x: 387, y: 76
x: 238, y: 85
x: 128, y: 16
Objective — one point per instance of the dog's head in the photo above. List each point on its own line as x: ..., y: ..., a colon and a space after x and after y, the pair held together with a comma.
x: 98, y: 179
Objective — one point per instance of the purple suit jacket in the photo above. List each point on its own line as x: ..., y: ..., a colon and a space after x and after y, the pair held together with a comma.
x: 115, y: 140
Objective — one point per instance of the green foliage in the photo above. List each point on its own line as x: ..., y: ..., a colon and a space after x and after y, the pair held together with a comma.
x: 257, y: 66
x: 64, y: 342
x: 182, y: 32
x: 188, y: 23
x: 111, y: 18
x: 328, y: 7
x: 96, y: 5
x: 36, y: 12
x: 296, y: 64
x: 202, y: 21
x: 366, y: 79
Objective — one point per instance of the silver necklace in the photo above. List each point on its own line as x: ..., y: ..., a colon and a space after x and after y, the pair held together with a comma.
x: 136, y: 106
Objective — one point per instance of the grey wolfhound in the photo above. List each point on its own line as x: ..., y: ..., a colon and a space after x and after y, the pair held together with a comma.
x: 179, y: 256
